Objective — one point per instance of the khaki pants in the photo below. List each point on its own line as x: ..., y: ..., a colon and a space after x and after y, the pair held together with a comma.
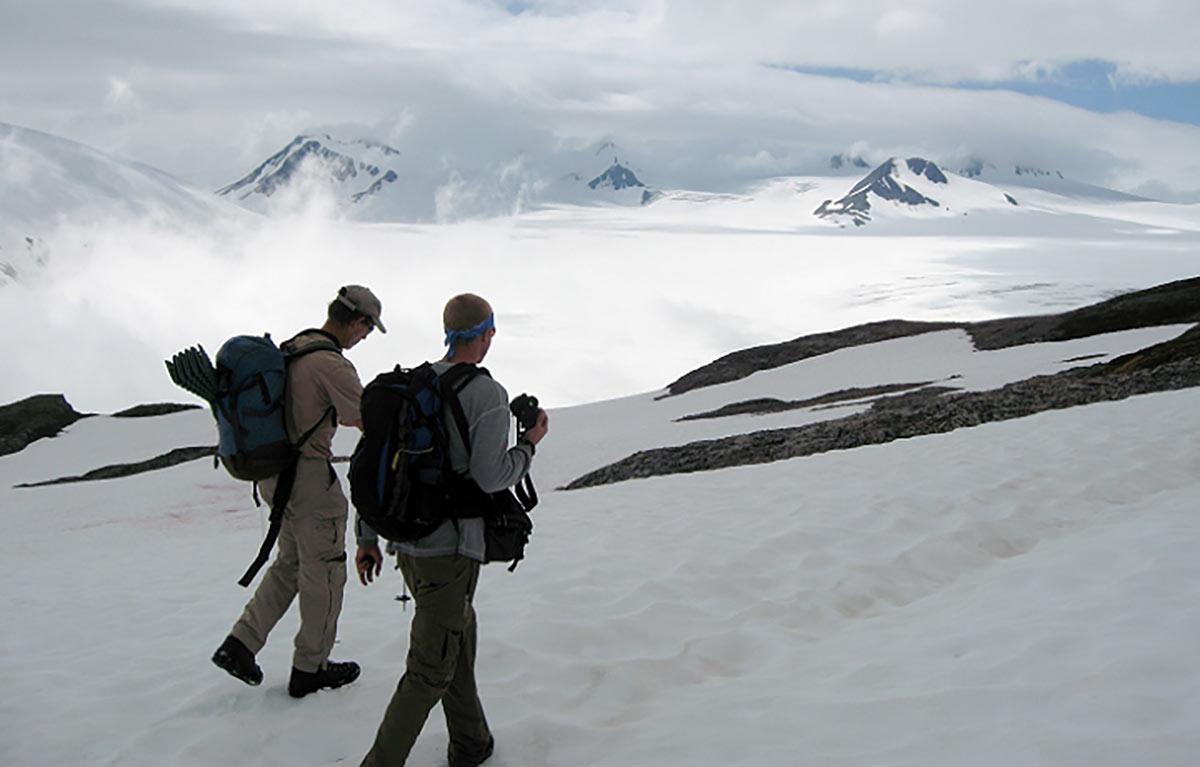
x: 310, y: 561
x: 440, y: 665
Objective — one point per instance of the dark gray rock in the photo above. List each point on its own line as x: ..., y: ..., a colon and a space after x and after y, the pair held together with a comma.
x: 617, y: 177
x: 118, y: 470
x: 739, y: 364
x: 908, y: 415
x: 1173, y: 303
x: 929, y: 170
x: 160, y: 408
x: 31, y: 419
x: 1171, y: 365
x: 769, y: 405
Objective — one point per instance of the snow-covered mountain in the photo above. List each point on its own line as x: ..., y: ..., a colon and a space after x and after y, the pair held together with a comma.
x: 368, y: 180
x: 621, y: 184
x: 616, y: 177
x: 354, y: 172
x: 910, y: 187
x: 48, y: 183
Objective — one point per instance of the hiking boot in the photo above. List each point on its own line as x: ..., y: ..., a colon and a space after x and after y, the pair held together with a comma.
x: 331, y: 675
x: 461, y: 758
x: 236, y: 658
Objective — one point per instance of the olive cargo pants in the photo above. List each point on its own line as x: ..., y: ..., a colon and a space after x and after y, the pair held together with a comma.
x: 310, y: 562
x: 440, y: 664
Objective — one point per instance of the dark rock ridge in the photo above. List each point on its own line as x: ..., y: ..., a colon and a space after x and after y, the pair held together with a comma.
x: 1173, y: 303
x: 974, y: 168
x: 737, y: 365
x: 160, y: 408
x: 772, y: 405
x: 31, y: 419
x: 617, y: 177
x: 45, y: 415
x: 923, y: 412
x: 387, y: 178
x: 115, y: 471
x: 1024, y: 170
x: 1171, y: 365
x: 883, y: 184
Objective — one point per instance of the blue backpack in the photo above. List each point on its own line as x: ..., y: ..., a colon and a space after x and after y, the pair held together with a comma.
x: 252, y: 438
x: 247, y: 390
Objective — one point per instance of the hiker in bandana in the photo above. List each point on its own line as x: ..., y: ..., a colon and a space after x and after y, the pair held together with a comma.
x: 442, y: 569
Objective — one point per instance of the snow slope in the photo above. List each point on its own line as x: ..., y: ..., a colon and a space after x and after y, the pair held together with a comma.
x: 1025, y: 592
x: 48, y: 183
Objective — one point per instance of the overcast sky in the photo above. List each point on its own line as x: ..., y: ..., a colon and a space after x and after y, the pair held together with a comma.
x: 702, y: 91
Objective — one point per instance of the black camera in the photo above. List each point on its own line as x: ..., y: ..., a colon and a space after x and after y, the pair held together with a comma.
x: 525, y: 408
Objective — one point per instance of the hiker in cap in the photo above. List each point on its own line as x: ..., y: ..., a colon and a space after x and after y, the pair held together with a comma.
x: 442, y: 569
x: 322, y: 391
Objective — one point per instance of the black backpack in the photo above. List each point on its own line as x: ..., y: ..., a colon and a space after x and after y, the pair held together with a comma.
x: 401, y: 482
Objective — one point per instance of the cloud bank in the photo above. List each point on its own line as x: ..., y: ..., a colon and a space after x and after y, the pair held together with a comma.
x: 700, y: 94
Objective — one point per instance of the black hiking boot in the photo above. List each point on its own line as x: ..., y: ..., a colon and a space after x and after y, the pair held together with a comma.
x: 461, y: 758
x: 332, y: 675
x: 236, y: 658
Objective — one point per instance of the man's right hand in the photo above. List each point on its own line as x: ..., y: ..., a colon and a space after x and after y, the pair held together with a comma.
x: 540, y: 429
x: 369, y: 563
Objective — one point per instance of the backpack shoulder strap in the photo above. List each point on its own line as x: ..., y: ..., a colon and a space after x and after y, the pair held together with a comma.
x: 327, y: 343
x: 454, y: 381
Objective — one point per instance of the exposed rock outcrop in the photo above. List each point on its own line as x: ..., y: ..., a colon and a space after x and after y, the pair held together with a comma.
x: 1174, y: 364
x: 1174, y: 302
x: 924, y: 411
x: 31, y: 419
x: 173, y: 458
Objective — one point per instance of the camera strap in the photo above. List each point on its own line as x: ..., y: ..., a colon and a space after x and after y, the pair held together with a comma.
x: 526, y: 493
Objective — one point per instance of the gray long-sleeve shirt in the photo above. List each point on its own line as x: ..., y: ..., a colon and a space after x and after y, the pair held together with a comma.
x: 491, y: 462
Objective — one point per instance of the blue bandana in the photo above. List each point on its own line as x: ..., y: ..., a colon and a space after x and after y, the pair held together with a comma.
x: 454, y: 336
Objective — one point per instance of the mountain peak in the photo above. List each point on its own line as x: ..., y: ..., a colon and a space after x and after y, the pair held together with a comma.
x: 617, y: 177
x: 890, y: 181
x: 345, y: 164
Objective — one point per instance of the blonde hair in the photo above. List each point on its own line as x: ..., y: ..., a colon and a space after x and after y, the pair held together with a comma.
x: 464, y: 312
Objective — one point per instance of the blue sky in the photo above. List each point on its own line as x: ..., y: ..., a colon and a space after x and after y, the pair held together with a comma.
x: 1092, y: 84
